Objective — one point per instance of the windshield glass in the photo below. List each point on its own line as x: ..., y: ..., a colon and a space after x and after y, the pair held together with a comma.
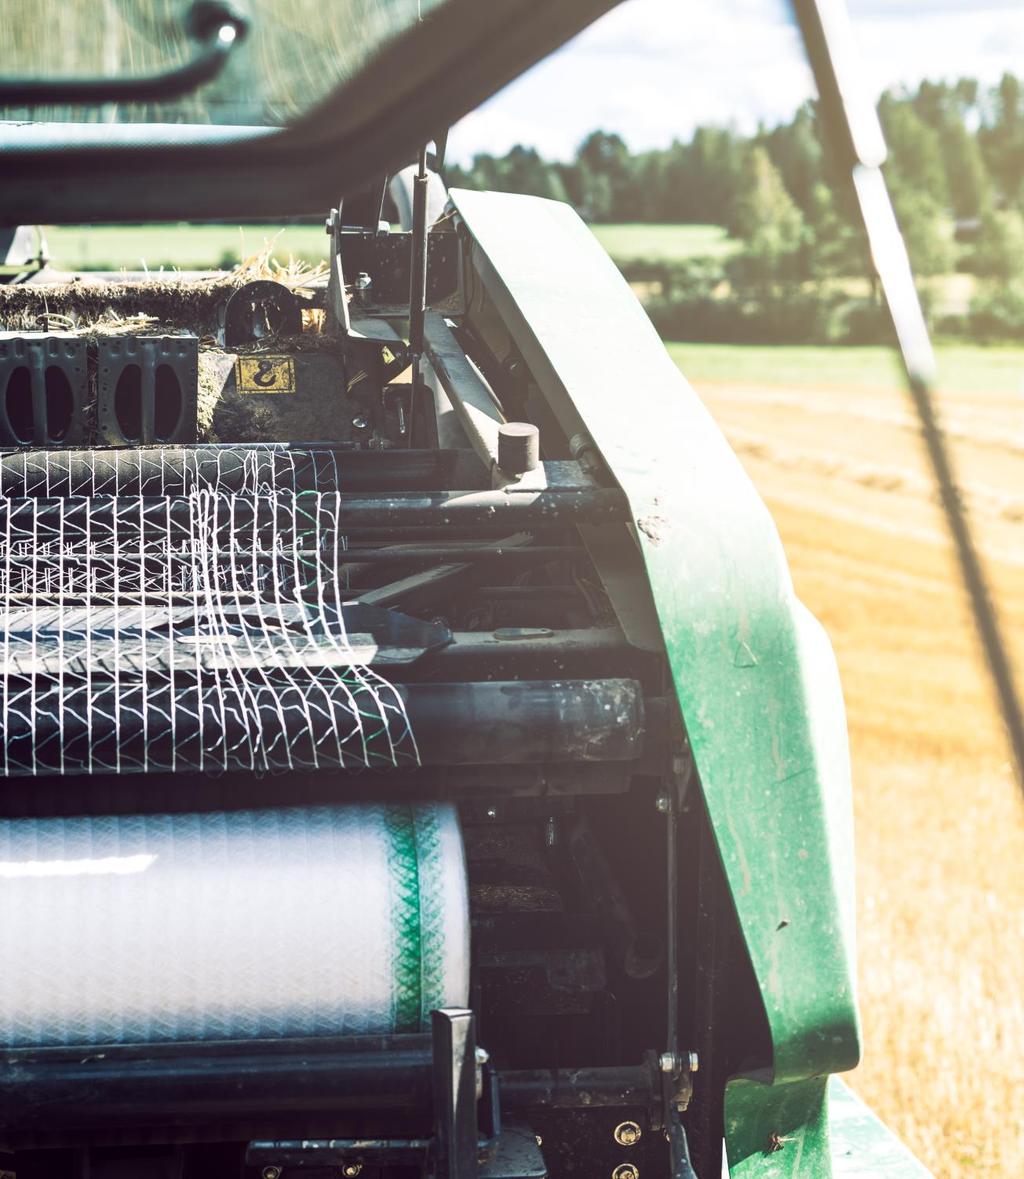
x: 295, y: 53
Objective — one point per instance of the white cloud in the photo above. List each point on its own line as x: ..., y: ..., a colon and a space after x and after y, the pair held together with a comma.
x: 654, y: 69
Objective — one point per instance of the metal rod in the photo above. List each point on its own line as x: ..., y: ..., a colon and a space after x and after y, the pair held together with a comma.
x: 51, y: 1092
x: 417, y: 287
x: 672, y: 923
x: 418, y: 264
x: 217, y: 27
x: 854, y: 128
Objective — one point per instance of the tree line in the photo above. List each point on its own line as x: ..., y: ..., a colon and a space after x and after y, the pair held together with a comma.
x: 955, y: 172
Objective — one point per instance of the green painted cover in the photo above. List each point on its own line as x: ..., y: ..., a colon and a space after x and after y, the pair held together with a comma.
x: 754, y: 673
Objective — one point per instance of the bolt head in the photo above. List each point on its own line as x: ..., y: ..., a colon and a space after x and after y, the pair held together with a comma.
x: 351, y: 1170
x: 668, y: 1062
x: 271, y: 1173
x: 693, y: 1060
x: 626, y: 1171
x: 360, y: 423
x: 627, y: 1133
x: 664, y: 803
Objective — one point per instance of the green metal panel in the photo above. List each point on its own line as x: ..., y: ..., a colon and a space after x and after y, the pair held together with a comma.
x: 754, y: 674
x: 863, y: 1147
x: 779, y: 1133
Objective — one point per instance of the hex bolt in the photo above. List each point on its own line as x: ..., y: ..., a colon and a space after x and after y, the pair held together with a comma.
x: 271, y: 1173
x: 627, y: 1133
x: 663, y: 803
x: 626, y: 1171
x: 668, y: 1062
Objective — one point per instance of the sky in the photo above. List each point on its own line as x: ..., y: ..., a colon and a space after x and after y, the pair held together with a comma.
x: 652, y: 70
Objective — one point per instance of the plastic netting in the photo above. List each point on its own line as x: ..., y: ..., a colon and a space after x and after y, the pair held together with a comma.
x: 200, y: 629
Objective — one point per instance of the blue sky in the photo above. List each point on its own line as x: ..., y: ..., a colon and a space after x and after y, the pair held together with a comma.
x: 653, y: 69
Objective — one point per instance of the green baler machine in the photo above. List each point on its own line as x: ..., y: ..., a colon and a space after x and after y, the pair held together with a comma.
x: 416, y: 758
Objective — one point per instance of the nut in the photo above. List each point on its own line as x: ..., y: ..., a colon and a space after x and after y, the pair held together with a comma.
x: 626, y: 1171
x: 627, y: 1133
x: 271, y: 1173
x: 693, y: 1060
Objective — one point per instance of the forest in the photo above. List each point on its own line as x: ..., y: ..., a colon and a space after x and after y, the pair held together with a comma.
x: 799, y: 272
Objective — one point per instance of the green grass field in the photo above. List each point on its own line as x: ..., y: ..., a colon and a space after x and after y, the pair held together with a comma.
x: 198, y: 247
x: 962, y: 367
x: 664, y: 243
x: 178, y: 247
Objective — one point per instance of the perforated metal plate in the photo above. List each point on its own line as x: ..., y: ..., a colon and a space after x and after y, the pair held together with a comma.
x: 146, y: 389
x: 43, y: 389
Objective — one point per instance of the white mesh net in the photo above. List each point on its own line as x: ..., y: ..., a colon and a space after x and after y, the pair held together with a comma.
x: 185, y: 627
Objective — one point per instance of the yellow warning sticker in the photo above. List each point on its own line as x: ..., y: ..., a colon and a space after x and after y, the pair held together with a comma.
x: 265, y: 374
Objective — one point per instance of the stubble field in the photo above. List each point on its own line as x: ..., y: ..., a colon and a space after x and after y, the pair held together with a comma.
x: 829, y: 439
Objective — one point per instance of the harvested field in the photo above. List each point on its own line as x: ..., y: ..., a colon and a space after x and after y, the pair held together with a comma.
x: 833, y: 448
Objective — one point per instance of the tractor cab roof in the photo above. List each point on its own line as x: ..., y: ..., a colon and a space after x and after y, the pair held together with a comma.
x: 165, y: 111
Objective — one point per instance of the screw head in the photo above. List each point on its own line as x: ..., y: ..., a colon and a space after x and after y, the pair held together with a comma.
x: 626, y: 1171
x: 351, y: 1170
x: 359, y: 423
x: 627, y: 1133
x: 271, y: 1173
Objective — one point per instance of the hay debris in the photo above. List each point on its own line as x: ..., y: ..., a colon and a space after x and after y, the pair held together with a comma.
x: 153, y: 304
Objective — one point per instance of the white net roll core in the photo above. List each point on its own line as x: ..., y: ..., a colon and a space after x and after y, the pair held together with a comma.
x: 321, y: 921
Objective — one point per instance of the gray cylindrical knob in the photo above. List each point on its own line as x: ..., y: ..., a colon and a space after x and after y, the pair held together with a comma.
x: 518, y: 448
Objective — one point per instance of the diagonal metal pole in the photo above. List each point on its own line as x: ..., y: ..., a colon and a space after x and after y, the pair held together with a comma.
x: 854, y: 130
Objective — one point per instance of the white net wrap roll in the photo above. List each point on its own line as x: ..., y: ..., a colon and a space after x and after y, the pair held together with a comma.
x: 321, y: 921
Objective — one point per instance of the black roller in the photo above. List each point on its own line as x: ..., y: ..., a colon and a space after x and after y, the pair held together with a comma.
x: 231, y: 469
x: 55, y: 1093
x: 58, y: 520
x: 309, y: 718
